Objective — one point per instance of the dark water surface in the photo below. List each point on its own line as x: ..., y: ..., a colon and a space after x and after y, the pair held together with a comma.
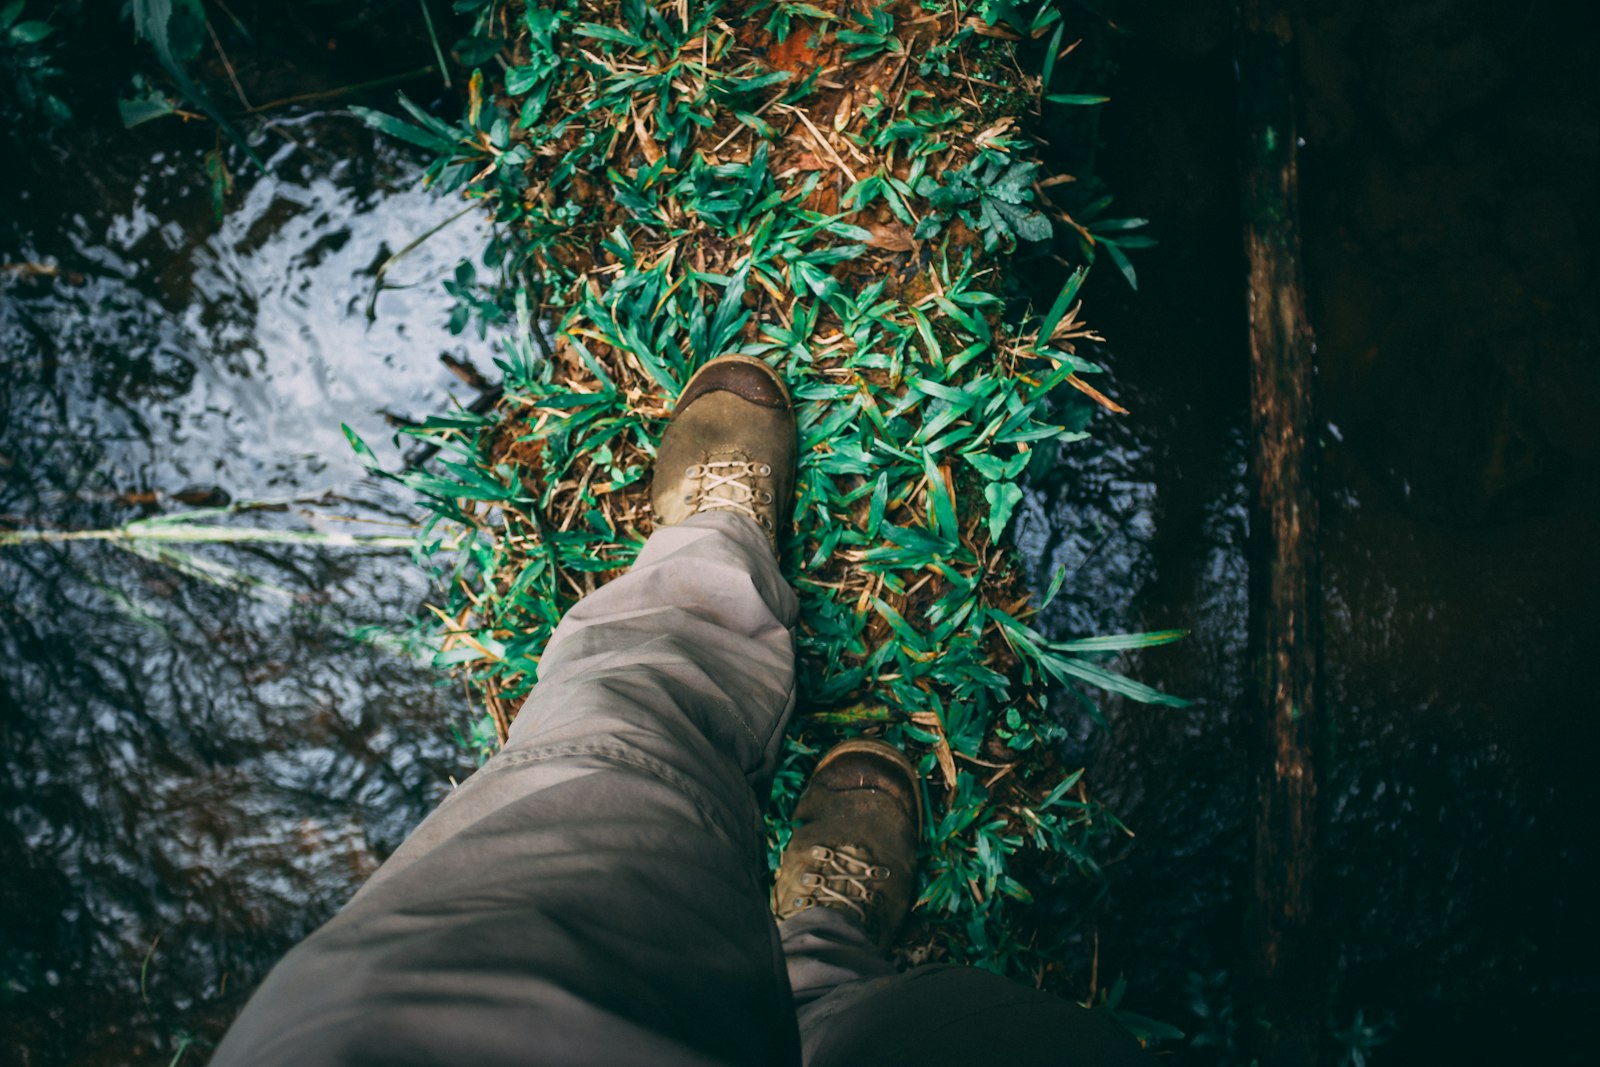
x: 196, y: 774
x: 1452, y: 150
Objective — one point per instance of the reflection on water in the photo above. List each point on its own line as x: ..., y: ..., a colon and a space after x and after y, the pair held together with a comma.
x: 196, y: 775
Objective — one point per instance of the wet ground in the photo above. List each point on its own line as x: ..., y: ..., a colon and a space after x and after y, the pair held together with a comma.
x: 196, y: 775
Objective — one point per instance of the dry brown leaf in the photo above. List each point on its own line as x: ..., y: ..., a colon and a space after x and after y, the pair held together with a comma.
x: 846, y: 112
x: 1096, y: 395
x: 647, y: 143
x: 995, y: 131
x: 941, y: 748
x: 893, y: 236
x: 983, y: 29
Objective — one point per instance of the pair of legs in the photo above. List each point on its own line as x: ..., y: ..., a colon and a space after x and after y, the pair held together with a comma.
x: 597, y: 892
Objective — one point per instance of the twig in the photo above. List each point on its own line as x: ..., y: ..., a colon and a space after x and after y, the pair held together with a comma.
x: 741, y: 128
x: 196, y: 533
x: 343, y: 90
x: 444, y: 68
x: 145, y: 966
x: 412, y: 246
x: 822, y: 143
x: 227, y: 65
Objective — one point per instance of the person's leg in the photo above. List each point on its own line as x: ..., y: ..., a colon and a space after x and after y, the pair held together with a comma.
x: 595, y: 893
x: 854, y: 1007
x: 843, y: 890
x: 824, y: 949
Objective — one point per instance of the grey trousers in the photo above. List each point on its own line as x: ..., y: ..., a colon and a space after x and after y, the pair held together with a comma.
x: 597, y: 893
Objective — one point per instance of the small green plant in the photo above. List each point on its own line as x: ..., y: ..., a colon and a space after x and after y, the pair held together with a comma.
x: 1355, y: 1040
x: 1113, y: 235
x: 471, y: 303
x: 180, y: 36
x: 875, y: 36
x: 919, y: 129
x: 936, y: 60
x: 782, y: 14
x: 1148, y: 1031
x: 176, y: 31
x: 27, y: 69
x: 1213, y: 1004
x: 993, y: 195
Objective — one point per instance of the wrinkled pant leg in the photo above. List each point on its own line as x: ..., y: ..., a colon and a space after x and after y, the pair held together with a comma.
x: 823, y: 950
x: 854, y: 1008
x: 596, y: 892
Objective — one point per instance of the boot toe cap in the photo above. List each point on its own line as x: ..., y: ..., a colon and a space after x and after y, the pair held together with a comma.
x: 749, y: 379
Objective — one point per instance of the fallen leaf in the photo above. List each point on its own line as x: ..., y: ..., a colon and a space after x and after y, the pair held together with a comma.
x: 894, y: 236
x: 941, y: 748
x: 1096, y: 395
x: 647, y: 143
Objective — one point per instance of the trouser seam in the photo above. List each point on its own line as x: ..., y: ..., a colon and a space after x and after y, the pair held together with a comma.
x: 790, y: 695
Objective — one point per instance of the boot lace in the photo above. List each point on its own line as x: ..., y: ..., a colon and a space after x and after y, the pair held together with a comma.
x: 840, y: 879
x: 726, y: 485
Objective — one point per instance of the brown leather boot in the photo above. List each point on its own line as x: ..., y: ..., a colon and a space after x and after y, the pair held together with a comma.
x: 855, y: 841
x: 730, y: 446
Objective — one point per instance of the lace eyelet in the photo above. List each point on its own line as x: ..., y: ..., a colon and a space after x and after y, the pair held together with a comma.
x: 819, y: 852
x: 877, y: 872
x: 693, y: 471
x: 811, y: 881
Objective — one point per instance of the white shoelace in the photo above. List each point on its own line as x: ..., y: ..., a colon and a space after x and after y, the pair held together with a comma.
x: 841, y: 878
x: 729, y: 474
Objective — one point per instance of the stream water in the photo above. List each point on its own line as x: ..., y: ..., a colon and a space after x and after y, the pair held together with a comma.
x: 1451, y: 150
x: 198, y: 771
x: 199, y: 767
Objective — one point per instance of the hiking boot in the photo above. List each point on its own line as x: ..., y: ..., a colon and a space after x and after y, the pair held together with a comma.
x: 855, y: 841
x: 730, y: 446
